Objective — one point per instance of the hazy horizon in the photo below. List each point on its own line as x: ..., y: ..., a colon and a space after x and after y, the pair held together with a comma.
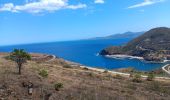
x: 66, y: 40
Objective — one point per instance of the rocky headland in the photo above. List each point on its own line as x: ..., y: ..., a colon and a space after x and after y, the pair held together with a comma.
x: 153, y: 45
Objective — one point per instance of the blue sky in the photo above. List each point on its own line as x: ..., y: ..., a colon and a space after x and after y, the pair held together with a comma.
x: 30, y: 21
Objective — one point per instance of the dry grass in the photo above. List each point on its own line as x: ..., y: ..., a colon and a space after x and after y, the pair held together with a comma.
x: 78, y: 84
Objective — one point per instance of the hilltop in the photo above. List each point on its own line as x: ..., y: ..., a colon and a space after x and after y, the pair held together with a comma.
x: 78, y: 83
x: 153, y: 45
x: 126, y: 35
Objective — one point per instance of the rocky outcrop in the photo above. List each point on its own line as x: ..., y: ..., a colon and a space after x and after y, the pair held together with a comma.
x: 153, y: 45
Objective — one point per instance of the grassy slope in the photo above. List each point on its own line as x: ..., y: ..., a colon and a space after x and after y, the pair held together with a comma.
x: 79, y: 84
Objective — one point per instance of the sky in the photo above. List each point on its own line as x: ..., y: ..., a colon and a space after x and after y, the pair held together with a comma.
x: 35, y: 21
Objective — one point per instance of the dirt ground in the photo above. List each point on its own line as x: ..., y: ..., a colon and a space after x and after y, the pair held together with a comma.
x: 78, y: 83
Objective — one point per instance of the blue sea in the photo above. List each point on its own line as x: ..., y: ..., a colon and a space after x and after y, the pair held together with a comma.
x: 85, y: 52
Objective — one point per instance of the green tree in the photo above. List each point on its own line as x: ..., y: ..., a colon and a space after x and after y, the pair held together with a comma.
x: 20, y: 57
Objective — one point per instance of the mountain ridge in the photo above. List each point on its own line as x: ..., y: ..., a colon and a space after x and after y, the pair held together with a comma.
x: 153, y: 45
x: 128, y: 34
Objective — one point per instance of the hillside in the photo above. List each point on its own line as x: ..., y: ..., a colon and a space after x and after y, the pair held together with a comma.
x: 126, y: 35
x: 154, y: 45
x: 78, y: 83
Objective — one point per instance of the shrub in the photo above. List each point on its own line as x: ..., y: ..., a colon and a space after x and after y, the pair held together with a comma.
x: 57, y: 86
x: 67, y: 66
x: 117, y: 76
x: 150, y: 77
x: 43, y: 73
x: 132, y: 69
x: 131, y: 75
x: 137, y: 78
x: 85, y: 68
x: 106, y: 71
x: 90, y: 74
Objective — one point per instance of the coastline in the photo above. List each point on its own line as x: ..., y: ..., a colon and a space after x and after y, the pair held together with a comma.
x: 95, y: 68
x: 166, y: 61
x: 121, y: 56
x: 119, y: 73
x: 74, y: 64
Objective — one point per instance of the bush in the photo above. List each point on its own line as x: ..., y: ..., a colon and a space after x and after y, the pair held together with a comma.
x: 106, y: 71
x: 150, y: 77
x: 67, y: 66
x: 85, y: 68
x: 131, y: 75
x: 43, y: 73
x: 57, y: 86
x: 117, y: 76
x: 90, y: 74
x: 137, y: 78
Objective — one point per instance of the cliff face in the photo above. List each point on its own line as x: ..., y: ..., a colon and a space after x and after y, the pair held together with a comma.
x: 154, y: 45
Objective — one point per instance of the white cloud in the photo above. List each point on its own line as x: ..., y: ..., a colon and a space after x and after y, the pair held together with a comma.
x: 7, y: 7
x: 99, y: 1
x: 77, y: 6
x: 40, y: 6
x: 146, y: 3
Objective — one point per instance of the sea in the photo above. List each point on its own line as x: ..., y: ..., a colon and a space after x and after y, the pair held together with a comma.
x: 86, y: 52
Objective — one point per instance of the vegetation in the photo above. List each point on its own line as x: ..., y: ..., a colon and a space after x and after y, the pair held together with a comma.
x: 156, y: 73
x: 137, y: 78
x: 57, y: 86
x: 20, y: 57
x: 43, y: 73
x: 131, y: 75
x: 106, y: 71
x: 78, y: 84
x: 150, y: 77
x: 67, y: 66
x: 117, y: 76
x: 153, y: 45
x: 85, y: 68
x: 155, y: 86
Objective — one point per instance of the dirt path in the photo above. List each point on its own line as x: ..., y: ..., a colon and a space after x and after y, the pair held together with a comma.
x: 123, y: 74
x: 166, y: 68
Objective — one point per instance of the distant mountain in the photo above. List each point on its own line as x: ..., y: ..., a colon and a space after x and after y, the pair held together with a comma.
x: 153, y: 45
x: 129, y: 35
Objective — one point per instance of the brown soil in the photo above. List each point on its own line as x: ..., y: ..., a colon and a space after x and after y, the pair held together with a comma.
x: 78, y: 83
